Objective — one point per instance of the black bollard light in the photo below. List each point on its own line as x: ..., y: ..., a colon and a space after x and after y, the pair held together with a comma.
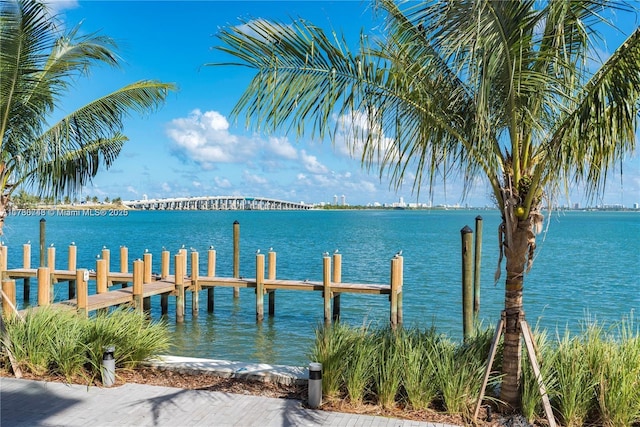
x: 108, y: 366
x: 315, y: 384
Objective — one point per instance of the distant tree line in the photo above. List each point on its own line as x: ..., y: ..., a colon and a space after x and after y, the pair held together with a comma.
x: 24, y: 200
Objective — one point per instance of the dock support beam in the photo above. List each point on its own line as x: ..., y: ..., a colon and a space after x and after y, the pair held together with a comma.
x: 138, y: 280
x: 147, y: 260
x: 164, y: 273
x: 44, y: 286
x: 236, y: 256
x: 73, y: 252
x: 82, y: 277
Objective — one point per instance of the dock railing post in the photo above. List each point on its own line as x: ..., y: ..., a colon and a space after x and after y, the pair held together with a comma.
x: 164, y: 273
x: 26, y: 263
x: 44, y: 286
x: 326, y: 282
x: 271, y: 275
x: 337, y: 278
x: 43, y: 228
x: 211, y: 272
x: 259, y: 287
x: 106, y: 255
x: 138, y: 280
x: 71, y: 263
x: 236, y: 256
x: 195, y: 285
x: 400, y: 312
x: 82, y: 278
x: 179, y: 281
x: 51, y: 264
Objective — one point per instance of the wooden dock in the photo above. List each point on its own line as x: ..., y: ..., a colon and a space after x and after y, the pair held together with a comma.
x: 138, y: 286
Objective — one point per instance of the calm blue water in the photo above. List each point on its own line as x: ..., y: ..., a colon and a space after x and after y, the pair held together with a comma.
x: 586, y: 263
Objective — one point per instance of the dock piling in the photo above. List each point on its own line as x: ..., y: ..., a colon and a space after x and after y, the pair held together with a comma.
x: 259, y: 287
x: 147, y: 259
x: 211, y: 272
x: 138, y: 280
x: 393, y: 297
x: 26, y: 263
x: 467, y: 282
x: 44, y: 286
x: 71, y: 263
x: 326, y: 282
x: 236, y: 256
x: 43, y: 229
x: 82, y: 290
x: 476, y: 269
x: 271, y: 275
x: 195, y: 286
x: 179, y: 280
x: 337, y: 278
x: 124, y: 259
x: 101, y: 276
x: 9, y: 297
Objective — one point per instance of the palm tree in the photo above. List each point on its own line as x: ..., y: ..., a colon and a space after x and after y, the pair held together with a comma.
x: 504, y: 91
x: 38, y: 65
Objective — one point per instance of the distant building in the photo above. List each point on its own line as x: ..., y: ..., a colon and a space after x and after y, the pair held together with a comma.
x: 344, y: 200
x: 636, y: 206
x: 335, y: 200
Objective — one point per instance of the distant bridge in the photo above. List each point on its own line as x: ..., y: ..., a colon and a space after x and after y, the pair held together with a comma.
x: 215, y: 203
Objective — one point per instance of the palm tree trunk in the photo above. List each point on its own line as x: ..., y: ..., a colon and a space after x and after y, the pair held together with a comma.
x: 515, y: 251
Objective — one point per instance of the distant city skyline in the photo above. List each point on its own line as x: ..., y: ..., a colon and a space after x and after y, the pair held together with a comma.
x: 190, y: 147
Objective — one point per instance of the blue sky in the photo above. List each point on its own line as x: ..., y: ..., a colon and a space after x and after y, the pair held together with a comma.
x: 190, y: 147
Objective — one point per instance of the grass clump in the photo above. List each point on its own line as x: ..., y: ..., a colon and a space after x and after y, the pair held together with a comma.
x: 50, y: 341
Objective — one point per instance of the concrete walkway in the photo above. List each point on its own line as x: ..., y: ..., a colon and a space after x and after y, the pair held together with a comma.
x: 27, y: 403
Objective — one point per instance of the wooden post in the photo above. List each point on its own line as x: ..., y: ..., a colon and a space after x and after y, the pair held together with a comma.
x: 138, y: 280
x: 467, y: 282
x: 44, y: 286
x: 337, y: 278
x: 124, y: 259
x: 146, y: 278
x: 393, y: 297
x: 164, y: 273
x: 476, y: 269
x: 326, y: 282
x: 236, y: 256
x: 73, y: 253
x: 400, y: 289
x: 101, y: 276
x: 179, y: 279
x: 164, y: 264
x: 43, y: 228
x: 195, y: 285
x: 211, y: 272
x: 3, y: 258
x: 259, y: 287
x: 26, y: 263
x: 9, y: 297
x: 106, y: 255
x: 271, y: 275
x: 82, y: 277
x: 51, y: 258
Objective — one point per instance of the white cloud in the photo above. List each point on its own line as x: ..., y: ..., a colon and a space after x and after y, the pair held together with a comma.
x: 312, y: 164
x: 196, y: 184
x: 254, y: 179
x: 222, y: 182
x: 166, y: 187
x: 132, y: 190
x: 281, y: 147
x: 205, y: 139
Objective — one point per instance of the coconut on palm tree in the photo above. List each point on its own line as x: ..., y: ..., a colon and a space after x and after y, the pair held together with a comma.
x: 506, y: 91
x: 39, y: 63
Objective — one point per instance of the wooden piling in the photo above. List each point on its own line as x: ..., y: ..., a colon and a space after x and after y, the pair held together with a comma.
x: 106, y: 255
x: 138, y: 280
x: 271, y: 275
x: 195, y: 285
x: 179, y: 279
x: 26, y: 263
x: 467, y: 281
x: 259, y: 287
x: 72, y: 265
x: 51, y: 258
x: 393, y: 296
x: 43, y: 228
x: 236, y: 256
x: 337, y: 278
x: 146, y: 278
x: 164, y: 273
x: 124, y: 259
x: 9, y: 297
x: 101, y: 276
x: 326, y: 293
x: 3, y: 258
x: 400, y: 289
x: 164, y: 264
x: 44, y: 286
x: 476, y: 269
x: 82, y: 290
x: 211, y: 272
